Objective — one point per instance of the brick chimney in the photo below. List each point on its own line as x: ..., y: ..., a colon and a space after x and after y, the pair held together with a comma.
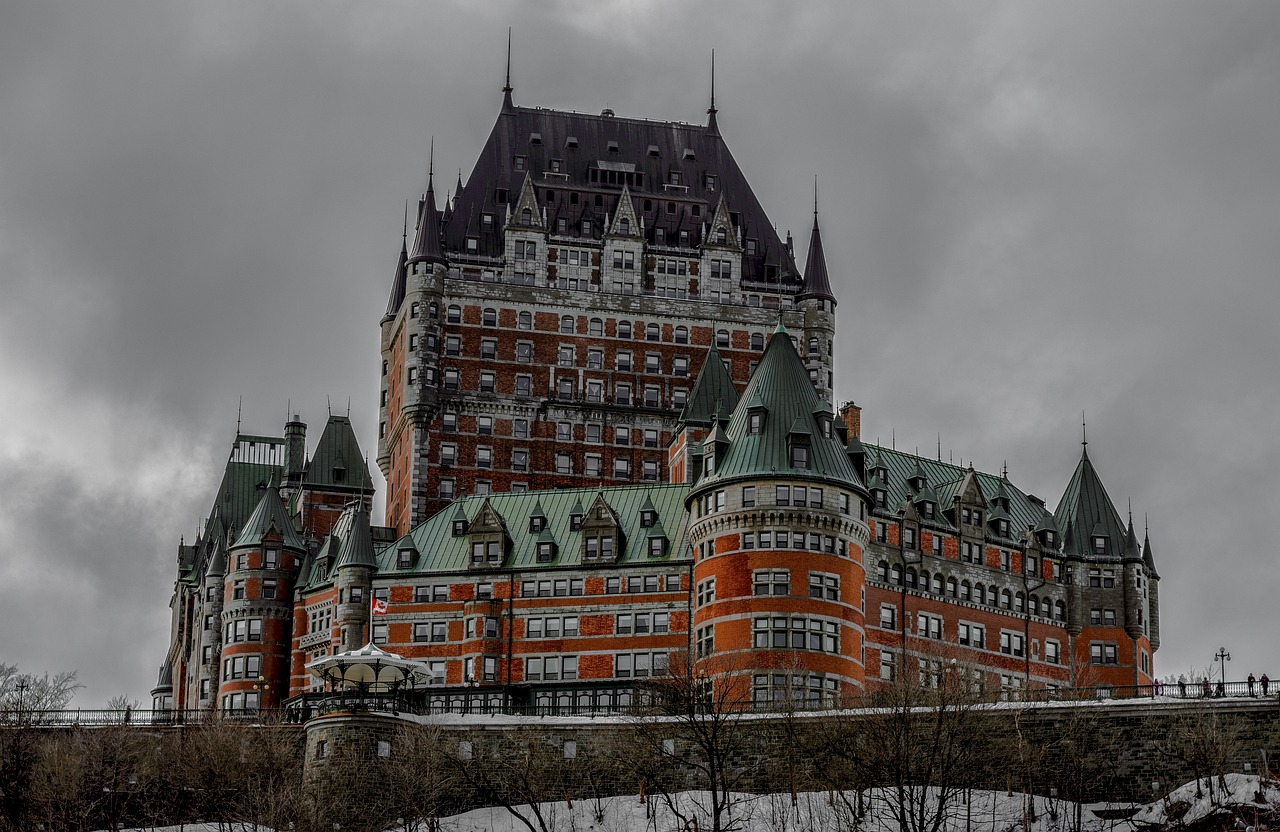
x: 852, y: 416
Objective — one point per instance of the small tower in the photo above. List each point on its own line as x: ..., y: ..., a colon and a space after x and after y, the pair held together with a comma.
x: 355, y: 567
x: 818, y: 303
x: 257, y: 612
x: 713, y: 397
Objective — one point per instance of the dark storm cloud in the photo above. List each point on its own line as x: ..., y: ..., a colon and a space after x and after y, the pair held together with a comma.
x: 1028, y: 210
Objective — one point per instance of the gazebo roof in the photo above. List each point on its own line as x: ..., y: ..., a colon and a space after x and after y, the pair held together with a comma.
x: 370, y: 667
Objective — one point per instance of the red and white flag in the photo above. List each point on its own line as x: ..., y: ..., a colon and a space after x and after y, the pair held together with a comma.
x: 378, y: 607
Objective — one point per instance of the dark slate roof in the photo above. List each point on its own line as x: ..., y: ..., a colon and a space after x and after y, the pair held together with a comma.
x: 270, y: 513
x: 398, y: 285
x: 649, y: 150
x: 338, y: 450
x: 1088, y: 510
x: 357, y: 549
x: 1147, y: 557
x: 426, y: 243
x: 816, y: 282
x: 440, y: 551
x: 713, y: 392
x: 782, y: 387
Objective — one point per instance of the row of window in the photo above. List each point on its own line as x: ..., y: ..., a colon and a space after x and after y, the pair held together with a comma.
x: 795, y: 632
x: 796, y: 496
x: 811, y: 541
x: 938, y: 584
x: 968, y: 634
x: 241, y: 667
x: 795, y: 689
x: 593, y: 431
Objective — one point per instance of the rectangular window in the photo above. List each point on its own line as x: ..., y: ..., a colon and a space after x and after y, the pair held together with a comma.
x: 771, y: 582
x: 748, y: 496
x: 822, y: 585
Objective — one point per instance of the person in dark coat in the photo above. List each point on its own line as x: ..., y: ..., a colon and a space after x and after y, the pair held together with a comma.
x: 1251, y: 680
x: 1266, y: 682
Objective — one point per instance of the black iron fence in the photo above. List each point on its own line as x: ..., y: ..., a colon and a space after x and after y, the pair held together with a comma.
x: 591, y: 700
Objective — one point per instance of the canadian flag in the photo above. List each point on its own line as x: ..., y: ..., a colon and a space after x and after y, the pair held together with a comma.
x: 378, y: 607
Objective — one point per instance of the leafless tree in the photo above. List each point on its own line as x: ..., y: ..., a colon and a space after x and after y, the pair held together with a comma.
x: 417, y: 777
x: 520, y: 770
x: 694, y: 726
x: 1201, y: 739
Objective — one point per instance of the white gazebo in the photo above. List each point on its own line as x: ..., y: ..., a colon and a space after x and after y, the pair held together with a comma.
x: 370, y: 669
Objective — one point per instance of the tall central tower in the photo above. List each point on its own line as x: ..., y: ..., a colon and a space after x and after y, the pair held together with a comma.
x: 545, y: 327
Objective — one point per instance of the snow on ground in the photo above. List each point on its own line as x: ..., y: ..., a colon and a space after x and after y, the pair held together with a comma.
x: 978, y: 811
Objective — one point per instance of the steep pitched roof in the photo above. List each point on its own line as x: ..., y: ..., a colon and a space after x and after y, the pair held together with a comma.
x: 398, y: 285
x: 338, y: 461
x: 270, y: 514
x: 793, y: 408
x: 644, y: 154
x: 357, y: 549
x: 1147, y: 557
x: 816, y: 282
x: 713, y: 392
x: 426, y: 243
x: 1087, y: 508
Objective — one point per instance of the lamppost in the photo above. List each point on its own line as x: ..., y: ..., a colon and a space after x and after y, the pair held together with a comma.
x: 1222, y: 657
x: 261, y: 688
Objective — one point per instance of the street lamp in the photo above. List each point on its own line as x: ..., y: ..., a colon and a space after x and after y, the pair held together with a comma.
x: 1222, y: 657
x: 260, y: 688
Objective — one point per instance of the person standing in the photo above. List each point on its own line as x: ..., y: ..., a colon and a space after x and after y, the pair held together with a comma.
x: 1251, y: 680
x: 1266, y: 682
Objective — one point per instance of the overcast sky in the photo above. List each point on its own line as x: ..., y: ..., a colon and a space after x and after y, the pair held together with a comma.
x: 1030, y: 211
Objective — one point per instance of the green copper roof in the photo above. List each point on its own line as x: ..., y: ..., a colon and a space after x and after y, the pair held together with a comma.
x: 357, y: 549
x: 440, y: 551
x: 1089, y: 511
x: 338, y: 461
x: 269, y: 514
x: 713, y: 392
x: 781, y: 386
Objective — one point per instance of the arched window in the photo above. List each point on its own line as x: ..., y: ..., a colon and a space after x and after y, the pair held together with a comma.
x: 566, y: 324
x: 1059, y: 611
x: 524, y: 320
x: 722, y: 338
x: 526, y: 217
x: 757, y: 340
x: 721, y: 236
x: 884, y: 571
x: 596, y: 327
x: 937, y: 583
x: 490, y: 317
x: 1020, y: 602
x: 979, y: 594
x: 435, y: 310
x: 951, y: 587
x: 652, y: 332
x: 895, y: 574
x: 455, y: 314
x: 966, y: 591
x: 1035, y: 605
x: 911, y: 578
x: 1006, y: 599
x: 924, y: 581
x: 624, y: 226
x: 682, y: 335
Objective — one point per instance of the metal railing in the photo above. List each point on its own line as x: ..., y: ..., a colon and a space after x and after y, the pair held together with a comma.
x: 597, y: 700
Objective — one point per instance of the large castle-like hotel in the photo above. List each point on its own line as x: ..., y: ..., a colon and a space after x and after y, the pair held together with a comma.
x: 610, y: 447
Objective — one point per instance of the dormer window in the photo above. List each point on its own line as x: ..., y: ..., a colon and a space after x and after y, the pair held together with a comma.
x: 339, y: 474
x: 598, y: 547
x: 927, y: 511
x: 880, y: 497
x: 404, y: 558
x: 1048, y: 539
x: 459, y: 528
x: 657, y: 547
x: 613, y: 147
x: 709, y: 464
x: 519, y: 162
x: 1099, y: 545
x: 624, y: 226
x: 721, y: 236
x: 1003, y: 528
x: 575, y: 522
x: 647, y: 518
x: 526, y: 217
x: 537, y: 523
x: 546, y: 551
x: 486, y: 552
x: 755, y: 422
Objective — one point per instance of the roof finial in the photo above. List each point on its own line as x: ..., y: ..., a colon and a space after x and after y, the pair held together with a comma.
x: 815, y: 197
x: 404, y: 235
x: 1084, y: 436
x: 1004, y: 471
x: 239, y: 410
x: 506, y: 88
x: 712, y: 128
x: 939, y: 446
x: 431, y: 165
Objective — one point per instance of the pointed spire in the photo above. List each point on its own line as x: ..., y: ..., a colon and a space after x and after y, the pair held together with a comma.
x: 1148, y: 559
x: 1131, y: 551
x: 426, y: 245
x: 816, y: 282
x: 713, y: 392
x: 713, y: 129
x: 507, y: 106
x: 400, y: 280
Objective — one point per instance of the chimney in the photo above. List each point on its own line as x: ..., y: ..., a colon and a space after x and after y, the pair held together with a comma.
x: 295, y: 448
x: 852, y: 416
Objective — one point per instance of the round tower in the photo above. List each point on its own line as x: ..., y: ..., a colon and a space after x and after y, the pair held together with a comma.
x: 355, y: 567
x: 257, y: 609
x: 818, y: 304
x: 777, y: 528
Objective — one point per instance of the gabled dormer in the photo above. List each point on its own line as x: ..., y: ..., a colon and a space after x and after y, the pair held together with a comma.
x: 721, y: 232
x: 823, y: 420
x: 757, y: 416
x: 648, y: 514
x: 910, y: 524
x: 458, y: 524
x: 917, y: 480
x: 537, y: 519
x: 878, y: 483
x: 714, y: 448
x: 576, y: 515
x: 656, y: 541
x: 625, y: 224
x: 487, y: 538
x: 602, y: 539
x: 800, y: 445
x: 1046, y: 531
x: 545, y: 546
x: 970, y: 505
x: 527, y: 214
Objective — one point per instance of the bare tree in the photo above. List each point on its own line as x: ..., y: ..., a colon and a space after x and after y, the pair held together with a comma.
x: 417, y: 777
x: 520, y: 772
x: 694, y: 726
x: 923, y: 744
x: 1202, y: 740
